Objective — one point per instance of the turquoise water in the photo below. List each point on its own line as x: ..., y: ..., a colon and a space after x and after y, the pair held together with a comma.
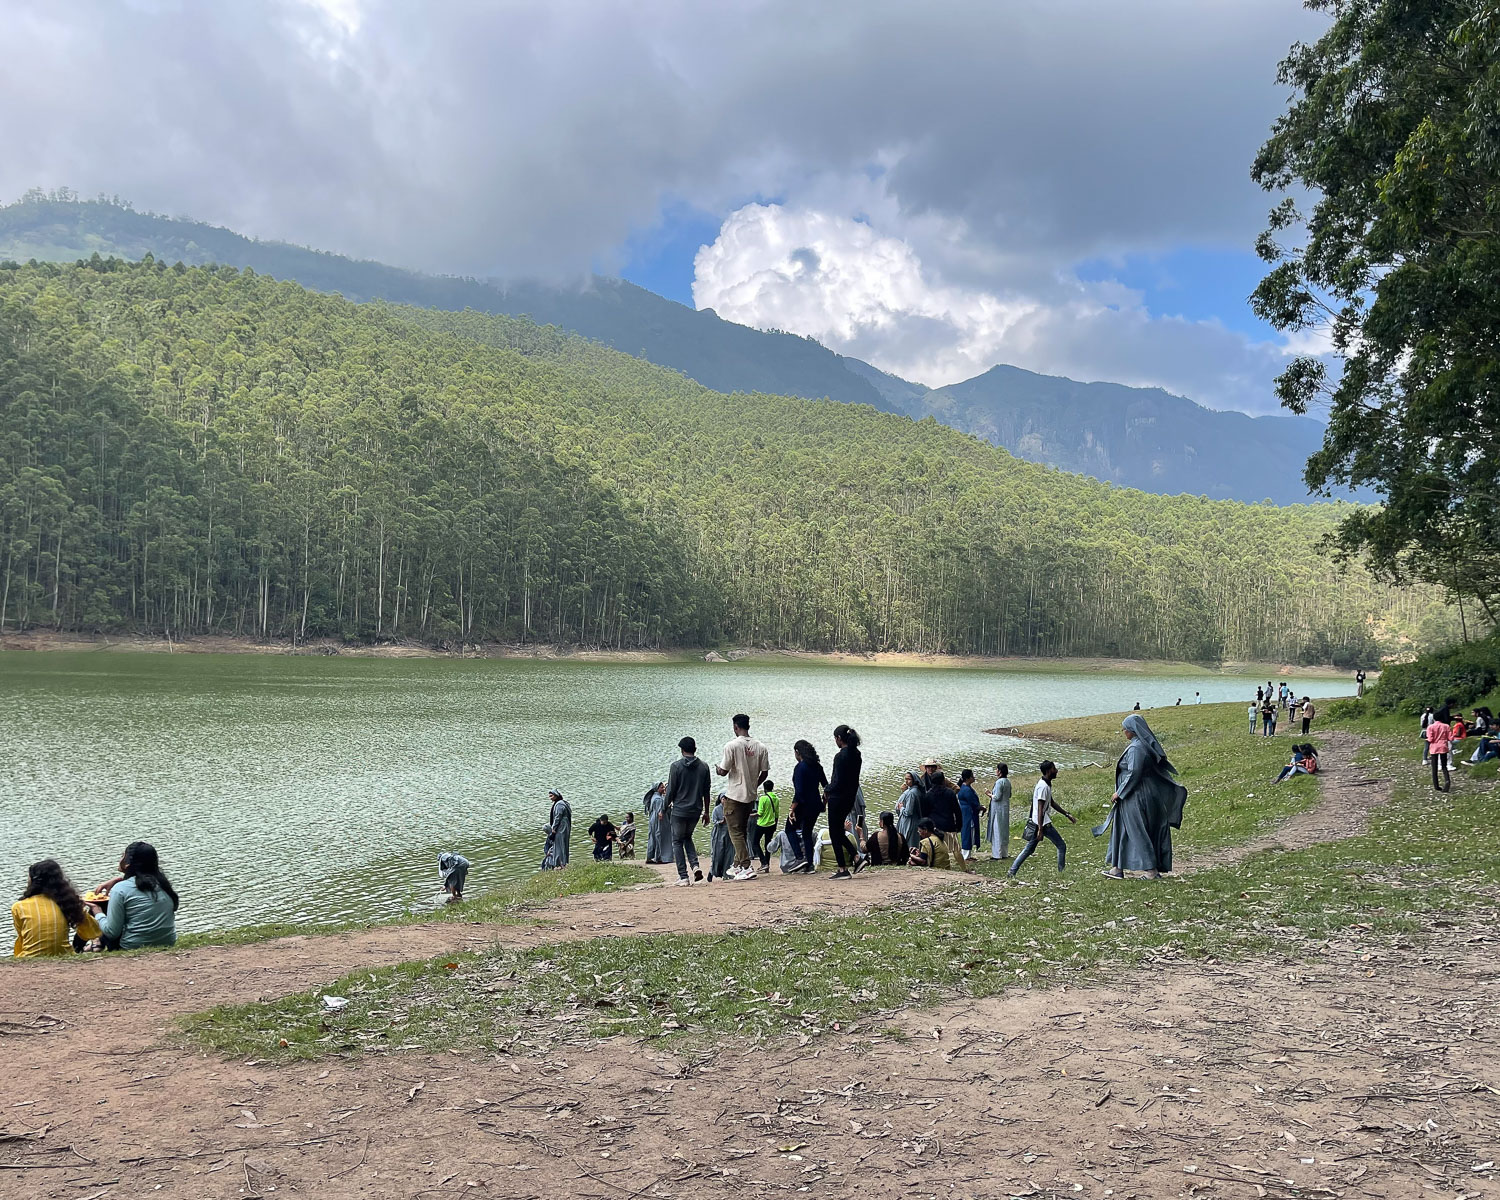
x: 322, y: 789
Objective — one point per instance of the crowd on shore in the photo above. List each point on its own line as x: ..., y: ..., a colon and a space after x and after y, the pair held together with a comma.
x: 934, y: 824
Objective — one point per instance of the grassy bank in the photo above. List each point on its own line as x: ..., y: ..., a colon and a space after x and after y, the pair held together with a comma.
x: 47, y: 640
x: 969, y: 940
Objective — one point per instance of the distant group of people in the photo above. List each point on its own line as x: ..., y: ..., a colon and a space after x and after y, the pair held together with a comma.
x: 1442, y: 729
x: 135, y: 909
x: 1271, y: 700
x: 934, y: 823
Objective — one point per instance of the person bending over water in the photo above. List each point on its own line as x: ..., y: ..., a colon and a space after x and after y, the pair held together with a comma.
x: 142, y: 905
x: 453, y: 870
x: 47, y: 909
x: 1146, y: 807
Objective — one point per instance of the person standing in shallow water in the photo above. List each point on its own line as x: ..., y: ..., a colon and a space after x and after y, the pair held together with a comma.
x: 1146, y: 807
x: 559, y: 833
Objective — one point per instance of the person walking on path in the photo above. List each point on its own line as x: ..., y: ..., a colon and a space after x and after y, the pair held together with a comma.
x: 1146, y: 807
x: 559, y: 832
x: 1308, y: 713
x: 1439, y: 737
x: 687, y: 804
x: 968, y: 805
x: 744, y: 767
x: 841, y: 792
x: 658, y: 825
x: 999, y: 830
x: 1039, y: 823
x: 763, y: 826
x: 808, y: 782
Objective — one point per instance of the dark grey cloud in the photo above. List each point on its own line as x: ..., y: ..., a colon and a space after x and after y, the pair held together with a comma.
x: 534, y: 136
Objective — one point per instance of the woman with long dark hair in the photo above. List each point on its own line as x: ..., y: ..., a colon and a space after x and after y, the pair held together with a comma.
x: 841, y: 791
x: 142, y: 905
x: 808, y: 781
x: 47, y: 909
x: 886, y: 845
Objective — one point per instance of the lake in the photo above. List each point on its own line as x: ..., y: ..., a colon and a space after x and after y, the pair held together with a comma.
x: 322, y: 789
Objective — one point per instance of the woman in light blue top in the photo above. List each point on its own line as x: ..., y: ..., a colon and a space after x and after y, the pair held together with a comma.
x: 999, y: 830
x: 142, y: 905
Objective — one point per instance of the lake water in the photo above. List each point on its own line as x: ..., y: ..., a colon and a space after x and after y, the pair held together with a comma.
x: 322, y: 789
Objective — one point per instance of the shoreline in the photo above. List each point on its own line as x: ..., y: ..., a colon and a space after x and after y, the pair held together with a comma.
x: 41, y: 641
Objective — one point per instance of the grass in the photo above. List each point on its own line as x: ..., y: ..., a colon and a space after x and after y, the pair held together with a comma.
x: 506, y: 903
x: 828, y: 971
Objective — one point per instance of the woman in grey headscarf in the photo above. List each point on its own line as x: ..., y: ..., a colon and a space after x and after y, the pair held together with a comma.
x: 559, y: 833
x: 1147, y: 806
x: 721, y: 849
x: 453, y: 870
x: 658, y: 837
x: 909, y: 809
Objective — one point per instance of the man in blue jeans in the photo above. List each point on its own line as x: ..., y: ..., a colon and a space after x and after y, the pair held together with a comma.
x: 687, y: 804
x: 1039, y: 824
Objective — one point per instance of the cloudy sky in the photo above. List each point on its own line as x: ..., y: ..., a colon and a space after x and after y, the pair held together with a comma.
x: 932, y: 185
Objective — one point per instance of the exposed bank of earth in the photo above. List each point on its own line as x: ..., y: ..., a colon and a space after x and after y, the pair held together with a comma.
x: 1353, y: 1067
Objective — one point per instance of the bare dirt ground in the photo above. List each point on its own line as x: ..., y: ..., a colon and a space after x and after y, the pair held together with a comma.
x: 1364, y: 1073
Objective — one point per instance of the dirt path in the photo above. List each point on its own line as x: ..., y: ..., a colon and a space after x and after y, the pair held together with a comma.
x: 1361, y: 1074
x: 1346, y: 798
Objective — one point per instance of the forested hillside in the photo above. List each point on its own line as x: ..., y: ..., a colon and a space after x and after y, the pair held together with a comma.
x: 1138, y: 437
x: 199, y: 449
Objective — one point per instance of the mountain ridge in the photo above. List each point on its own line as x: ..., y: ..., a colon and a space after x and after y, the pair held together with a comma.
x: 1145, y: 438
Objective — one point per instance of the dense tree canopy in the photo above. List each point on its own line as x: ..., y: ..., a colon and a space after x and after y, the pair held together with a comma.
x: 1394, y: 129
x: 200, y: 449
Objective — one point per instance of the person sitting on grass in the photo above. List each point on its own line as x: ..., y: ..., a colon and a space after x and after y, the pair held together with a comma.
x: 930, y: 850
x: 1304, y: 762
x: 47, y: 909
x: 1488, y: 748
x: 142, y: 906
x: 604, y: 833
x: 627, y: 836
x: 886, y: 846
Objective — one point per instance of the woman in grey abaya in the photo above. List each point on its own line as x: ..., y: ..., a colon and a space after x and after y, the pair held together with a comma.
x: 909, y: 809
x: 721, y: 849
x: 559, y: 833
x: 1147, y: 806
x: 658, y: 836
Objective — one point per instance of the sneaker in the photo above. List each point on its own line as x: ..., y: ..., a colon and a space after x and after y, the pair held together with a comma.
x: 861, y: 862
x: 842, y: 875
x: 697, y: 875
x: 809, y: 867
x: 683, y: 882
x: 747, y: 873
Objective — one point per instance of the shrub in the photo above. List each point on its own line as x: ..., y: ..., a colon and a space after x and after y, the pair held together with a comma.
x: 1458, y: 675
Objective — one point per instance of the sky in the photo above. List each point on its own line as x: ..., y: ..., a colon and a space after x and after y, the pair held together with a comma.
x: 933, y: 186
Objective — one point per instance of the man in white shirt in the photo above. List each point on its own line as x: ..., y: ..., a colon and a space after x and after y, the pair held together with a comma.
x: 745, y: 766
x: 1039, y: 825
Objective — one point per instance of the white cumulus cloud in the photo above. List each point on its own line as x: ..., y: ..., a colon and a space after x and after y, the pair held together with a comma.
x: 874, y: 294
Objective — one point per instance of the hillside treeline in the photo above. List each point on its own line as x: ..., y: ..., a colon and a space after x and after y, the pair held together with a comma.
x: 200, y: 449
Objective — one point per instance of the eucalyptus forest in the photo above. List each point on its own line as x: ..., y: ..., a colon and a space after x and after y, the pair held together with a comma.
x: 194, y: 450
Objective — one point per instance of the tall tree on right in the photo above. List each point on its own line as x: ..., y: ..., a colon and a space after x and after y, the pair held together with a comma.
x: 1392, y: 136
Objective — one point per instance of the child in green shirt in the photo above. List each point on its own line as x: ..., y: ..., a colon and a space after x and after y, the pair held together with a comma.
x: 763, y: 828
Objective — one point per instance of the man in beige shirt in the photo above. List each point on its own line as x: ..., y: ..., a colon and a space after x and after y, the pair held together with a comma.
x: 745, y: 767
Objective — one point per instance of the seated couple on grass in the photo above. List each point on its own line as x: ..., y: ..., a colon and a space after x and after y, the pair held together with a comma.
x: 138, y: 906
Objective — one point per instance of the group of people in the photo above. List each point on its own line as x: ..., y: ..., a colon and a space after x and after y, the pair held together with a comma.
x: 1443, y: 729
x: 1271, y: 700
x: 934, y: 823
x: 137, y: 908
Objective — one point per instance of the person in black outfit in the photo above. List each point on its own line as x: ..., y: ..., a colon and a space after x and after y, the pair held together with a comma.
x: 603, y: 832
x: 841, y: 791
x: 687, y: 804
x: 947, y: 818
x: 808, y: 782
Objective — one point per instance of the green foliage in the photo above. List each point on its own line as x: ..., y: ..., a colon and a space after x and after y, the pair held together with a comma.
x: 1392, y: 128
x: 205, y: 450
x: 1461, y: 674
